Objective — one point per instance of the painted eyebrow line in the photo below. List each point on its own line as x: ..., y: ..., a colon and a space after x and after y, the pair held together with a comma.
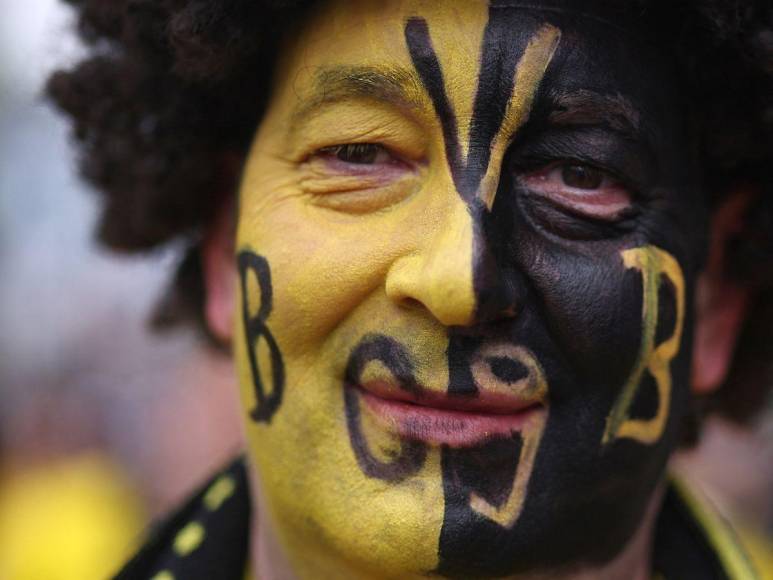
x: 585, y: 107
x: 393, y: 85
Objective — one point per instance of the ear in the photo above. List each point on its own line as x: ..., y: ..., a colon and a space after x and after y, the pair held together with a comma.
x: 721, y: 302
x: 217, y: 255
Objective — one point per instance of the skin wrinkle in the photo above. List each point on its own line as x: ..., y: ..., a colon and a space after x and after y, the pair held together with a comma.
x: 588, y: 108
x: 341, y: 274
x: 574, y: 308
x: 390, y: 85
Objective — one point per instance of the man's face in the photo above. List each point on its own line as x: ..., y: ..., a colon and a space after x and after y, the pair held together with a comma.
x: 466, y: 248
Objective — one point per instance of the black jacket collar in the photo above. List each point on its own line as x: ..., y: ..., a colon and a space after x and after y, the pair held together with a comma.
x: 208, y: 538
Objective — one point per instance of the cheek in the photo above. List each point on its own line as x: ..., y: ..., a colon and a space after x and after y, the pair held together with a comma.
x: 618, y: 316
x: 322, y: 267
x: 592, y: 309
x: 306, y: 454
x: 327, y: 276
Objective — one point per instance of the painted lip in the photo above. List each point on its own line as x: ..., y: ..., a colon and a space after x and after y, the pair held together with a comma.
x: 440, y: 419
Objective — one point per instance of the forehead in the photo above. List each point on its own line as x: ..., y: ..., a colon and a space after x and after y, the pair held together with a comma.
x: 600, y: 49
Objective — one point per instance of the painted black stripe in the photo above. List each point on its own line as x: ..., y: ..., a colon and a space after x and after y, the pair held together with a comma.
x: 470, y: 544
x: 393, y: 355
x: 493, y: 92
x: 427, y: 65
x: 499, y: 59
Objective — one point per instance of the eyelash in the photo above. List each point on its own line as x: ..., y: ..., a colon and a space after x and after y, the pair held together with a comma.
x: 603, y: 196
x: 358, y: 153
x: 607, y: 199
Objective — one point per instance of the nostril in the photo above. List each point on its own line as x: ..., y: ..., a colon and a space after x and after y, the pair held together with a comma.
x: 411, y: 303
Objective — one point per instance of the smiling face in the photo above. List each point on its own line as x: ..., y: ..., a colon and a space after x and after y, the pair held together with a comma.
x: 466, y: 244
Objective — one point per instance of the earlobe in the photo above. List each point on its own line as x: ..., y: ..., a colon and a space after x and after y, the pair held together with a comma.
x: 721, y: 302
x: 217, y: 255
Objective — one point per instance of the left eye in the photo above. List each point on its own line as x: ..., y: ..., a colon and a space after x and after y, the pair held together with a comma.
x: 580, y: 188
x: 359, y: 153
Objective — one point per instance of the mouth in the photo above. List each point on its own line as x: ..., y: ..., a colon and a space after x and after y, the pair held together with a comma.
x: 440, y: 419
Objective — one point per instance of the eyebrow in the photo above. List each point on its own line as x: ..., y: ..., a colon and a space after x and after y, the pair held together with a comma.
x: 584, y: 107
x: 400, y: 87
x: 393, y: 85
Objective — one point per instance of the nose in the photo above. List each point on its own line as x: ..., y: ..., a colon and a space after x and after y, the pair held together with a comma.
x: 439, y: 273
x: 453, y: 274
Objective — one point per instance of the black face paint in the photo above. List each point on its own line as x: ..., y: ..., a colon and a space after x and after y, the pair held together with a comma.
x: 494, y: 90
x: 394, y: 356
x: 256, y: 329
x: 493, y: 93
x: 495, y: 87
x: 460, y: 351
x: 556, y: 283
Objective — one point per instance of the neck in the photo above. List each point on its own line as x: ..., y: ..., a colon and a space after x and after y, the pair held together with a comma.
x: 271, y: 562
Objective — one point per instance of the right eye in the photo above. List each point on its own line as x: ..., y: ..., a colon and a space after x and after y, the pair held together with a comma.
x: 358, y: 177
x: 359, y: 153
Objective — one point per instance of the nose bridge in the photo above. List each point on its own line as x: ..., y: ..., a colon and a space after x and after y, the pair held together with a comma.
x: 439, y: 273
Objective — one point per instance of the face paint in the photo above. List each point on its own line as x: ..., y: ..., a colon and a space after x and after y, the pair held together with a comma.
x: 255, y: 329
x: 495, y: 89
x: 448, y: 368
x: 394, y: 356
x: 652, y: 263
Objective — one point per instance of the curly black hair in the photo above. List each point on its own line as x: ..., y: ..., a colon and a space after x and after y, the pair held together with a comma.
x: 173, y: 91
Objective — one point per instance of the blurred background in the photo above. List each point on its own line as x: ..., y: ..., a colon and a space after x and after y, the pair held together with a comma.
x: 105, y: 425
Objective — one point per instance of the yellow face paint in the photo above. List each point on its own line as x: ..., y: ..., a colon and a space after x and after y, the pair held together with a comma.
x: 339, y: 261
x: 528, y: 75
x: 653, y: 263
x: 507, y: 513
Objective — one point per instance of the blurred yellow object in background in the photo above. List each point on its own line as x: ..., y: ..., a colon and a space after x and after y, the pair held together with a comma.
x: 75, y: 518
